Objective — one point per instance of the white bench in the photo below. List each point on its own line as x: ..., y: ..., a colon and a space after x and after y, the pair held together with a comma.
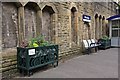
x: 87, y: 47
x: 89, y: 44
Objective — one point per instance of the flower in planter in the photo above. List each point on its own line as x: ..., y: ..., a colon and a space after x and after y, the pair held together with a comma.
x: 35, y: 44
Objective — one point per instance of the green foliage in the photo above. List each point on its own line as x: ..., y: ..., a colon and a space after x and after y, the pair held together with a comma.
x: 105, y: 37
x: 38, y: 41
x: 32, y: 43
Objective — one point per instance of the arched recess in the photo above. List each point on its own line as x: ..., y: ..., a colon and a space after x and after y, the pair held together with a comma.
x: 50, y: 5
x: 32, y: 20
x: 74, y: 30
x: 49, y: 23
x: 73, y: 5
x: 103, y: 26
x: 96, y: 27
x: 10, y: 24
x: 100, y: 26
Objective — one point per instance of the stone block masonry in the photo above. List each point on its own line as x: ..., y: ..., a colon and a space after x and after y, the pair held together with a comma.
x: 9, y: 67
x: 61, y: 23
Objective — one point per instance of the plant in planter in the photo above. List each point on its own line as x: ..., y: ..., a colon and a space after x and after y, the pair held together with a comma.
x: 35, y: 42
x: 39, y: 41
x: 36, y: 53
x: 105, y: 37
x: 105, y: 42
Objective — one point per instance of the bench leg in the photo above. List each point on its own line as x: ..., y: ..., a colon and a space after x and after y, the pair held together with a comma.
x: 88, y: 51
x: 57, y: 63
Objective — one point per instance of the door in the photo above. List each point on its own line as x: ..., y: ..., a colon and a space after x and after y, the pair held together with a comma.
x: 115, y: 33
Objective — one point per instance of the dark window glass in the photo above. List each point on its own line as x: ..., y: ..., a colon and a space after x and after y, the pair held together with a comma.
x: 114, y: 22
x: 114, y: 26
x: 114, y: 33
x: 119, y: 32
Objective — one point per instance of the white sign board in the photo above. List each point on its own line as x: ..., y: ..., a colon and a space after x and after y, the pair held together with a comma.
x: 31, y: 52
x: 86, y: 18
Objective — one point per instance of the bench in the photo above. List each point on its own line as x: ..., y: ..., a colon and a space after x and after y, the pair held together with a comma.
x: 89, y: 45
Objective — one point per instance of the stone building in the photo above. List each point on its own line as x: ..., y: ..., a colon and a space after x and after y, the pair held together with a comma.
x: 61, y: 23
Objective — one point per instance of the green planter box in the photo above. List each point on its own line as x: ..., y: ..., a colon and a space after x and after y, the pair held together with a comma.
x: 31, y: 58
x: 104, y: 43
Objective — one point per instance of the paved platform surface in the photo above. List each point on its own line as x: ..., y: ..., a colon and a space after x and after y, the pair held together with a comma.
x: 103, y: 64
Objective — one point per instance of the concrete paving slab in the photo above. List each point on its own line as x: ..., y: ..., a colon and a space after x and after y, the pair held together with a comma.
x: 103, y: 64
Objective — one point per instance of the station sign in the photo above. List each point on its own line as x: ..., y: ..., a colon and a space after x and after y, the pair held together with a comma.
x: 86, y: 18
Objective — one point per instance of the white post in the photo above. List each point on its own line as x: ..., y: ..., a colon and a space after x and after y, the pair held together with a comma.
x: 110, y: 29
x: 118, y: 33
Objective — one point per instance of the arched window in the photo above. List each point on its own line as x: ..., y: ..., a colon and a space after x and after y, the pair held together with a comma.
x: 47, y: 23
x: 9, y: 25
x: 74, y: 25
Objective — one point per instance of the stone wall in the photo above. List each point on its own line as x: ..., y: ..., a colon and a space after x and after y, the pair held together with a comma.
x: 23, y: 22
x: 0, y: 40
x: 26, y: 20
x: 9, y: 67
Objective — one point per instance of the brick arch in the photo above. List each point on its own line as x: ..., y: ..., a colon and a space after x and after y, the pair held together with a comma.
x: 96, y: 15
x: 73, y: 5
x: 33, y: 4
x: 73, y: 9
x: 18, y: 4
x: 103, y: 17
x: 100, y: 16
x: 49, y: 9
x: 50, y: 5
